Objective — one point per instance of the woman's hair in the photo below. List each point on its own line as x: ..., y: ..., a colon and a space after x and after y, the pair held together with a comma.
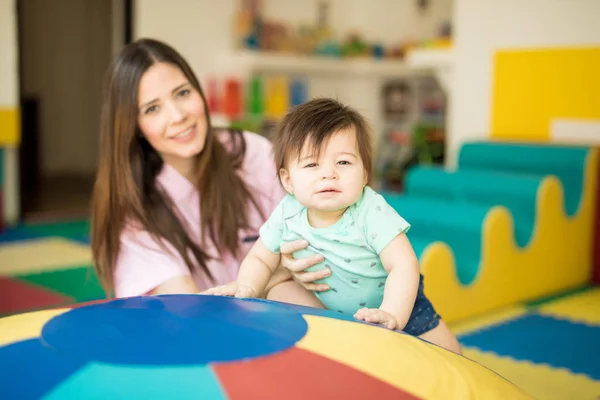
x: 318, y: 120
x: 125, y: 190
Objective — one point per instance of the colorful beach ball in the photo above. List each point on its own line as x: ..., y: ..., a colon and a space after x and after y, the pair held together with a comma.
x: 210, y: 347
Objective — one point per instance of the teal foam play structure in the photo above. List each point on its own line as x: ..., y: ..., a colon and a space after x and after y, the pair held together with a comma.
x: 451, y: 206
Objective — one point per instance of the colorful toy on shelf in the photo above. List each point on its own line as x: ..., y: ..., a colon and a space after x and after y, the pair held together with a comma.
x: 256, y: 98
x: 355, y: 46
x: 298, y: 92
x: 232, y: 99
x: 260, y: 106
x: 429, y: 144
x: 254, y: 32
x: 212, y: 96
x: 329, y: 48
x: 377, y: 51
x: 277, y: 97
x: 413, y: 129
x: 247, y: 24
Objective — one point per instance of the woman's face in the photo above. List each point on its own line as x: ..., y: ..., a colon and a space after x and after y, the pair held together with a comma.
x: 171, y: 115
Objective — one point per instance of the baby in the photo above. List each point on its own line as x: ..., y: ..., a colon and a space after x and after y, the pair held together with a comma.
x: 323, y: 153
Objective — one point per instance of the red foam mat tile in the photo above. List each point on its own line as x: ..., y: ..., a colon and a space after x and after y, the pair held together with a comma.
x: 18, y: 296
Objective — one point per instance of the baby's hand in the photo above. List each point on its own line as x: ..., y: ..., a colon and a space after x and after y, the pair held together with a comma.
x: 377, y: 316
x: 232, y: 289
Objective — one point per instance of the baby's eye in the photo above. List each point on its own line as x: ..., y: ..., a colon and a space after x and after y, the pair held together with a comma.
x: 311, y: 165
x: 344, y: 162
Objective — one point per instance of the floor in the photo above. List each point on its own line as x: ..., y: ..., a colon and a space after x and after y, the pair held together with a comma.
x: 46, y: 265
x: 550, y: 348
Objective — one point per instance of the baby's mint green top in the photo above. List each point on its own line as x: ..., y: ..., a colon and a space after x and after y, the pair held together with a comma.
x: 350, y: 247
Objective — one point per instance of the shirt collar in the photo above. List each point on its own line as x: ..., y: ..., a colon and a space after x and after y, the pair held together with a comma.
x: 175, y: 184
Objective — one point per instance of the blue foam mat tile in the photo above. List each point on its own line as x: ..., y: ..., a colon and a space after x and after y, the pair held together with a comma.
x: 18, y: 234
x: 542, y: 340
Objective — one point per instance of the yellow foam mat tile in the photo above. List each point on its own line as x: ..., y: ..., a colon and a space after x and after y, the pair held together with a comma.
x: 541, y: 381
x: 41, y: 255
x: 476, y: 323
x: 25, y: 326
x: 582, y: 308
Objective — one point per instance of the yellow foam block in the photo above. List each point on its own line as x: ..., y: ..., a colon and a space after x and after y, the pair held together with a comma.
x: 582, y: 308
x: 41, y: 255
x: 483, y: 321
x: 541, y: 381
x: 25, y: 326
x: 533, y: 87
x: 557, y: 257
x: 405, y: 362
x: 10, y: 129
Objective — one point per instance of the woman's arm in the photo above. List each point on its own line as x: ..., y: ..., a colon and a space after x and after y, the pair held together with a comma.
x: 147, y: 266
x: 177, y: 285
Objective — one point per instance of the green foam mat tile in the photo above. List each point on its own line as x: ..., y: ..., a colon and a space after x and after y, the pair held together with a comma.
x: 72, y: 229
x: 565, y: 293
x: 81, y: 283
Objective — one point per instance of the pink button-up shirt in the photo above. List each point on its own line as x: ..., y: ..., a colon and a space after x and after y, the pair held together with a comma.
x: 143, y: 265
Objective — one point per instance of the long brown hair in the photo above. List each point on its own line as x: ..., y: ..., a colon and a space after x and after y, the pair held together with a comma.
x: 318, y: 120
x: 125, y: 189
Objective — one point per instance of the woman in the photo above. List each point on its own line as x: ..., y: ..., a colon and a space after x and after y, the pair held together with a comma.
x: 177, y: 204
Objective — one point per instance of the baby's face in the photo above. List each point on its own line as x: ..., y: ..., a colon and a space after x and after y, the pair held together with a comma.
x: 330, y: 181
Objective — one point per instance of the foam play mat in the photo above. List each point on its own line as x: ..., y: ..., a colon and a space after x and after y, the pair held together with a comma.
x: 209, y: 347
x: 550, y: 348
x: 46, y: 265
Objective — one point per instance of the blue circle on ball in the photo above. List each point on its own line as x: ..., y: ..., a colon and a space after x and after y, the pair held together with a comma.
x: 174, y: 330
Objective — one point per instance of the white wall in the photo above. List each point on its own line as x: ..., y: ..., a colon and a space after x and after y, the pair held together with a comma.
x: 199, y: 29
x: 8, y: 49
x: 481, y: 27
x: 9, y: 98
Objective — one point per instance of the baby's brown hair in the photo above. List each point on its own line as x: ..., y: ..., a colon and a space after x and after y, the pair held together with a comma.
x: 318, y: 120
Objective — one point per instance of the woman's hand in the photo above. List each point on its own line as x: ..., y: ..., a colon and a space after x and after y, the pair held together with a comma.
x: 232, y: 289
x: 297, y: 267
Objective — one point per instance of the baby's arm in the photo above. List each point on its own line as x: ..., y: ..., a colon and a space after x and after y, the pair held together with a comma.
x: 255, y: 272
x: 257, y: 268
x: 401, y: 263
x: 399, y: 260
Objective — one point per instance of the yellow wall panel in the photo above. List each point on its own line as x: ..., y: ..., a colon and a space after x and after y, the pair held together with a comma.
x: 10, y: 129
x: 533, y: 87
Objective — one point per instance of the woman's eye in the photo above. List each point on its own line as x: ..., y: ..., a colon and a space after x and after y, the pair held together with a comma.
x: 150, y: 110
x: 184, y: 93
